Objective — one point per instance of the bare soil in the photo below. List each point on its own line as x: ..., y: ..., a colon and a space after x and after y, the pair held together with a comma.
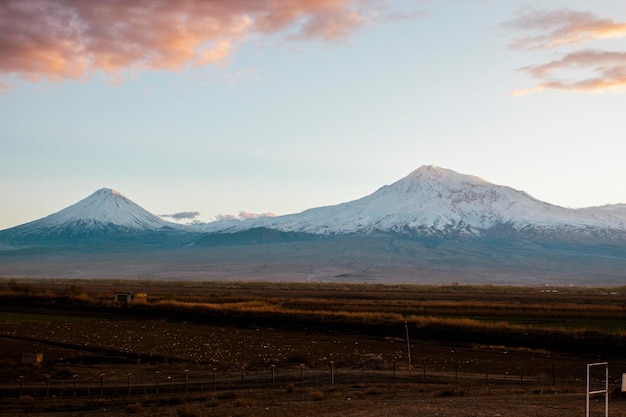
x: 116, y: 364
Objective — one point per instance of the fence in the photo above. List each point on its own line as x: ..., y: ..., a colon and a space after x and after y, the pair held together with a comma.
x: 206, y: 379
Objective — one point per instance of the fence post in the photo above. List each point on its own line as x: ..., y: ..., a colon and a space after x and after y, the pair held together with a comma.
x: 130, y: 374
x: 273, y: 371
x: 186, y: 371
x: 589, y: 392
x: 302, y: 374
x: 332, y: 372
x: 156, y: 381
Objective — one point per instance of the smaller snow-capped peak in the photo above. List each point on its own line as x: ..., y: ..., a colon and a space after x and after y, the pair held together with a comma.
x: 109, y: 207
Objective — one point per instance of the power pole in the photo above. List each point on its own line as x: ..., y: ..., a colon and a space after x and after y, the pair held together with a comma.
x: 408, y: 345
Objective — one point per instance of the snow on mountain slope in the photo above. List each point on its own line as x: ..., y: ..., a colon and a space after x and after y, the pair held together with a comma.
x: 431, y: 201
x: 110, y: 207
x: 614, y: 214
x: 105, y: 208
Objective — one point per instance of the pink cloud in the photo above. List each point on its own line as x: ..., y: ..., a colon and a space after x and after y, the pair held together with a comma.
x: 607, y: 72
x: 248, y: 215
x: 73, y: 39
x: 561, y: 27
x: 608, y: 64
x: 243, y: 215
x: 601, y: 70
x: 223, y: 217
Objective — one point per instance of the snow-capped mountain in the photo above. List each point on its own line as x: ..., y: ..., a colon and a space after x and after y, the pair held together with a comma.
x: 105, y: 211
x: 429, y: 202
x: 431, y: 226
x: 433, y: 201
x: 107, y: 206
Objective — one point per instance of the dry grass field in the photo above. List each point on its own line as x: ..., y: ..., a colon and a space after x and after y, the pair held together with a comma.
x: 250, y: 349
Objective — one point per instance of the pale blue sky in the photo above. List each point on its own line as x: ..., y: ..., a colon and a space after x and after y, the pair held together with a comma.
x: 281, y: 125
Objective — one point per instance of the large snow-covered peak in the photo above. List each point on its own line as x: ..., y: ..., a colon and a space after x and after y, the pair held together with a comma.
x: 107, y: 207
x: 429, y: 201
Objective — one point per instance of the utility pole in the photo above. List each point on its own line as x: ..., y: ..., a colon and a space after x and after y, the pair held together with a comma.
x: 408, y: 345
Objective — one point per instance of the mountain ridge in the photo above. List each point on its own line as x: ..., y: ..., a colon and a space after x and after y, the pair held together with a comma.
x: 430, y: 201
x: 434, y: 201
x: 434, y: 225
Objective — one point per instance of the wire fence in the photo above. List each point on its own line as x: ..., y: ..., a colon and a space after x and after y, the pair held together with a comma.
x: 205, y: 379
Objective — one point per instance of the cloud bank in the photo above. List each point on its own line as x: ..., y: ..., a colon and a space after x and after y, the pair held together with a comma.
x: 183, y: 215
x: 243, y: 215
x: 73, y: 39
x: 562, y: 27
x: 603, y: 70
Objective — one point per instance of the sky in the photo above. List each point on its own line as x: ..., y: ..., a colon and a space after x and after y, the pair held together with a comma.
x: 206, y: 109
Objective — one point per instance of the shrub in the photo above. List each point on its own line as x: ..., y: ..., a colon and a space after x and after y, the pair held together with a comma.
x: 226, y: 396
x: 317, y: 396
x: 186, y: 411
x: 298, y: 357
x: 450, y: 393
x: 26, y: 399
x: 212, y: 402
x: 242, y: 402
x: 171, y: 401
x: 133, y: 408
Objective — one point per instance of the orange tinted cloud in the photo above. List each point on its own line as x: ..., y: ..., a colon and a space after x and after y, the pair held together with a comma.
x: 608, y: 72
x: 561, y: 27
x: 73, y: 39
x: 249, y: 215
x: 602, y: 70
x: 243, y: 215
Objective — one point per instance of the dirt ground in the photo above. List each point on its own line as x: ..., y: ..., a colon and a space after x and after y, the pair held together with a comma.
x: 116, y: 364
x: 360, y: 400
x: 229, y: 373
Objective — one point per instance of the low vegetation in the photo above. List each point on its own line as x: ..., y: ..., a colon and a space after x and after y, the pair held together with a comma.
x: 534, y: 317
